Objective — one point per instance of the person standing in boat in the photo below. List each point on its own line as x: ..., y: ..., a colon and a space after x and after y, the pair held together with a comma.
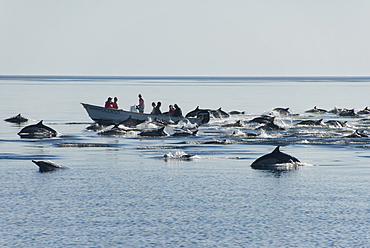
x: 115, y: 103
x: 109, y: 103
x: 157, y: 109
x: 141, y: 105
x: 177, y: 112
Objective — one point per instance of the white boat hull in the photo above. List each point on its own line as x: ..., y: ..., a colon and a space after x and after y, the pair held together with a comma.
x: 114, y: 116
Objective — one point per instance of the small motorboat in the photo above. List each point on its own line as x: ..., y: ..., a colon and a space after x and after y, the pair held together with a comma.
x: 108, y: 116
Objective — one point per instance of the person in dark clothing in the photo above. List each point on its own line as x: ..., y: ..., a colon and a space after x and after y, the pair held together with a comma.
x: 178, y: 111
x: 153, y: 110
x: 157, y: 110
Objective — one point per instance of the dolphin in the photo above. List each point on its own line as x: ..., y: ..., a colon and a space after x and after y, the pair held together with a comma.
x: 347, y: 112
x: 274, y: 161
x: 160, y: 122
x: 222, y: 113
x: 193, y: 113
x: 17, y: 119
x: 282, y: 111
x: 186, y: 132
x: 357, y: 134
x: 263, y: 119
x: 236, y: 112
x: 154, y: 132
x: 218, y: 113
x: 270, y: 126
x: 235, y: 124
x: 335, y: 110
x: 38, y: 130
x: 311, y: 122
x: 316, y: 110
x: 114, y: 131
x: 204, y: 114
x: 185, y: 157
x: 336, y: 123
x: 217, y: 142
x: 131, y: 122
x: 238, y: 133
x: 365, y: 111
x: 95, y: 127
x: 47, y: 166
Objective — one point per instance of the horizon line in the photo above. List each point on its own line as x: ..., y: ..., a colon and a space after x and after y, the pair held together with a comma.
x: 175, y: 76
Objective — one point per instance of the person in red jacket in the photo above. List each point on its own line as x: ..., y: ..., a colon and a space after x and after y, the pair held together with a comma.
x: 109, y: 103
x: 115, y: 103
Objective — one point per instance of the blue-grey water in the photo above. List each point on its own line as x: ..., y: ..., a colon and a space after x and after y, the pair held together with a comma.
x: 119, y: 191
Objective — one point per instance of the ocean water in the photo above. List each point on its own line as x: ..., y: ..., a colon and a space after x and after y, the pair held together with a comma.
x: 120, y: 191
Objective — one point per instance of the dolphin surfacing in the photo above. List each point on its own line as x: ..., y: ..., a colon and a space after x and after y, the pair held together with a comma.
x: 154, y: 132
x: 47, y: 166
x: 37, y: 131
x: 17, y: 119
x: 276, y: 160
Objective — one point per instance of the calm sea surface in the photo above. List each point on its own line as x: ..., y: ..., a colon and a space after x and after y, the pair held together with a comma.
x: 119, y: 191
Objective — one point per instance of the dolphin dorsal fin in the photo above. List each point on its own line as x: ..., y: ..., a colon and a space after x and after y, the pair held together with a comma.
x: 277, y: 149
x: 40, y: 123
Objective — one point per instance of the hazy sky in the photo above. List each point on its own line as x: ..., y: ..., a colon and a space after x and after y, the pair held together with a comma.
x: 180, y: 38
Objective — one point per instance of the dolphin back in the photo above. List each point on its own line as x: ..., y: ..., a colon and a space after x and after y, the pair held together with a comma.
x: 47, y: 166
x: 41, y: 125
x: 274, y: 158
x: 38, y: 130
x: 192, y: 113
